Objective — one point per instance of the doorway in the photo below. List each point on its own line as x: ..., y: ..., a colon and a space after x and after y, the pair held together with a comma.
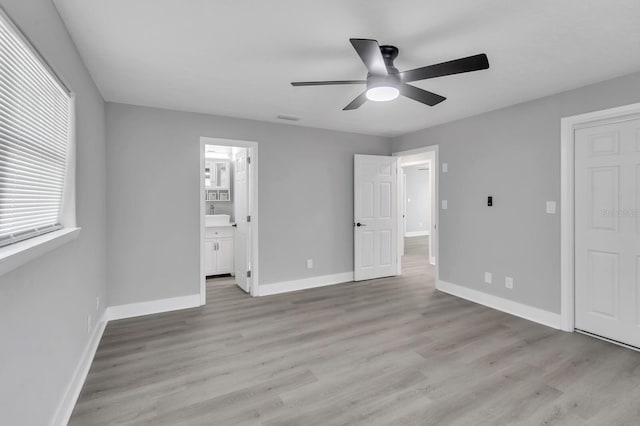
x: 379, y: 212
x: 228, y: 214
x: 418, y: 239
x: 601, y: 225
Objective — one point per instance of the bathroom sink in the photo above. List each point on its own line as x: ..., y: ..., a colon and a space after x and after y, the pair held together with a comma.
x: 216, y: 220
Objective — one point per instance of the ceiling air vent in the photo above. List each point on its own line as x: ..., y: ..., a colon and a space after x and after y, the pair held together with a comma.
x: 288, y: 117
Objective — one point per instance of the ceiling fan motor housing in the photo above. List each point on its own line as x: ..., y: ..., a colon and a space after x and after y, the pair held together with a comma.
x: 392, y: 80
x: 389, y: 53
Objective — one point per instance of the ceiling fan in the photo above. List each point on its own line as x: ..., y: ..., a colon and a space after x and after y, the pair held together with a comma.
x: 384, y: 81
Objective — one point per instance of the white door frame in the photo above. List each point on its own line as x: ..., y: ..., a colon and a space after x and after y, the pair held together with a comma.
x: 567, y: 235
x: 253, y: 230
x: 435, y: 198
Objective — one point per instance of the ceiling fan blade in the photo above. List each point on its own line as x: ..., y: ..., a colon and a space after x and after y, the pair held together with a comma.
x: 369, y: 52
x: 457, y: 66
x: 327, y: 83
x: 420, y: 95
x: 357, y: 102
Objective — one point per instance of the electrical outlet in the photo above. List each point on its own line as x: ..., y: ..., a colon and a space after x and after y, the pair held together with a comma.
x: 551, y: 207
x: 488, y: 277
x: 309, y: 263
x: 508, y: 282
x: 89, y: 324
x: 444, y: 204
x: 445, y: 167
x: 97, y: 303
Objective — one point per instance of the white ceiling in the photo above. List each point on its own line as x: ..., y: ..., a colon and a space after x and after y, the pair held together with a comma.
x: 236, y: 58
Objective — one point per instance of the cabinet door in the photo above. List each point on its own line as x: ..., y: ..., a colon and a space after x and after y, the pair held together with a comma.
x: 210, y: 257
x: 209, y: 174
x: 224, y: 255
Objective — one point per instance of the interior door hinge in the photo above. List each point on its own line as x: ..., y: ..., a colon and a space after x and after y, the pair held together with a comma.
x: 248, y: 274
x: 248, y: 218
x: 248, y: 160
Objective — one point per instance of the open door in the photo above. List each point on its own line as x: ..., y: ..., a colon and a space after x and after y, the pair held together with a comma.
x: 375, y: 224
x: 242, y: 233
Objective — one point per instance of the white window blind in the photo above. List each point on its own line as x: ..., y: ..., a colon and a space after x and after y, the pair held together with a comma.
x: 35, y: 116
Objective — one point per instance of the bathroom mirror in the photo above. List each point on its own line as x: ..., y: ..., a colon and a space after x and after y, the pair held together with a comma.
x: 221, y: 174
x: 217, y: 174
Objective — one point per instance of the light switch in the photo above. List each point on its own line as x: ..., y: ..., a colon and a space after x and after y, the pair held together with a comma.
x: 551, y: 207
x: 445, y: 167
x: 444, y: 204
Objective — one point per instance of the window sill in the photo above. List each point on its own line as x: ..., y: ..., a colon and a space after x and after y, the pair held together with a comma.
x: 15, y: 255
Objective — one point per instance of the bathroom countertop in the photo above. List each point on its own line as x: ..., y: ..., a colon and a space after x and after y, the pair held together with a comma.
x: 228, y: 225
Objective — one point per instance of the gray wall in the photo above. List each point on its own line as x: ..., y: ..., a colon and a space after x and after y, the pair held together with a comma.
x: 418, y: 195
x: 514, y: 155
x: 305, y: 199
x: 44, y: 304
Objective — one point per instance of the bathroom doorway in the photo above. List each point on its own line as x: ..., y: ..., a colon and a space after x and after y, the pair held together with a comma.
x: 228, y: 214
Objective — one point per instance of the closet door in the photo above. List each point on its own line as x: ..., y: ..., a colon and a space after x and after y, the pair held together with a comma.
x: 607, y: 231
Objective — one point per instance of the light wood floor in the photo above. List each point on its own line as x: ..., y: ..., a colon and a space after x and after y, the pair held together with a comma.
x: 384, y: 352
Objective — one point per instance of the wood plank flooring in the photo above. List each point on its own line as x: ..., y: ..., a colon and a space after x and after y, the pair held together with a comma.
x: 383, y: 352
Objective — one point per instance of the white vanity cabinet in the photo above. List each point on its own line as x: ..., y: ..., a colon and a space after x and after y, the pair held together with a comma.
x: 218, y: 249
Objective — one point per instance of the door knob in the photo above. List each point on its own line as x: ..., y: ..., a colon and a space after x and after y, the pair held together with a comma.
x: 360, y: 224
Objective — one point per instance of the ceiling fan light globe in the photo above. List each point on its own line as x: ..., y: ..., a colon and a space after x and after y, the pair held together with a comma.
x: 382, y: 93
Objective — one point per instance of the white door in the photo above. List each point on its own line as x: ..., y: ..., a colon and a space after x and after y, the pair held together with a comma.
x: 607, y: 231
x: 375, y: 224
x: 242, y: 232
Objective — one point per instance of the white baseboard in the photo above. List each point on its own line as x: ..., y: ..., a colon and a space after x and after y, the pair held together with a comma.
x: 416, y: 233
x: 153, y: 307
x: 72, y: 392
x: 527, y: 312
x: 305, y: 283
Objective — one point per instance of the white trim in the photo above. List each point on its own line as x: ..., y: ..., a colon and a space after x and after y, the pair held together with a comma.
x: 305, y: 283
x: 568, y: 126
x: 72, y: 392
x: 17, y: 254
x: 68, y: 210
x: 253, y: 230
x: 416, y: 233
x: 152, y: 307
x: 435, y: 197
x: 202, y: 214
x: 400, y: 219
x: 527, y: 312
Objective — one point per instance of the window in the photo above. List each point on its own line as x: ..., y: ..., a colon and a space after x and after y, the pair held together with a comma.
x: 35, y: 131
